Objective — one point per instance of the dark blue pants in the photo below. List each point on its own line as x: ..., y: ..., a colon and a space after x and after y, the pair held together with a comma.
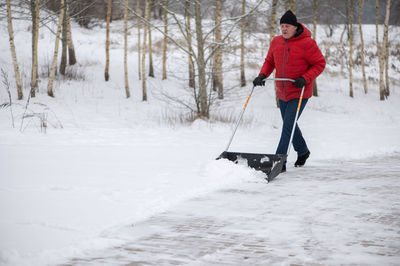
x: 288, y: 112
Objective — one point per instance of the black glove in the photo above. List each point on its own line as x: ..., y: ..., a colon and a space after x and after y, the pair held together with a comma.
x: 259, y: 81
x: 300, y: 82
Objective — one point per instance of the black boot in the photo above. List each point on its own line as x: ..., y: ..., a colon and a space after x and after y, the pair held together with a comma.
x: 301, y: 160
x: 283, y: 168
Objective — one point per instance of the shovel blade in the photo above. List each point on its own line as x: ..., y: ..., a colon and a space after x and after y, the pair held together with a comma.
x: 270, y: 164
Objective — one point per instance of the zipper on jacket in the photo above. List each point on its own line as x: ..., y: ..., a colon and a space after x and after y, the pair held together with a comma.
x: 283, y: 67
x: 287, y: 60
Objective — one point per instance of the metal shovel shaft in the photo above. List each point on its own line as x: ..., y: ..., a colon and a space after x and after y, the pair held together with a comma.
x: 295, y: 119
x: 240, y: 119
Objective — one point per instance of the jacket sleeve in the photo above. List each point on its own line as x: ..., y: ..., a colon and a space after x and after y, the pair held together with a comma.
x: 269, y: 63
x: 316, y: 60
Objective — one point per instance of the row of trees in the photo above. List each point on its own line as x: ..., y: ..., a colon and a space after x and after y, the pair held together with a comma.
x: 204, y: 46
x: 382, y: 48
x: 63, y: 32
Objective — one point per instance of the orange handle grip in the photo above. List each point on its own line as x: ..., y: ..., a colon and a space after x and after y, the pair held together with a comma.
x: 247, y: 101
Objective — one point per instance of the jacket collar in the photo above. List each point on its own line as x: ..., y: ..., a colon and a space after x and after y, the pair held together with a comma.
x: 302, y: 32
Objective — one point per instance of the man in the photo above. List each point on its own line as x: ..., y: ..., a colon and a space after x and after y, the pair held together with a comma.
x: 294, y: 55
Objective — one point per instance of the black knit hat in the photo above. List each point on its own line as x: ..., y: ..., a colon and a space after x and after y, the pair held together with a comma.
x: 289, y: 18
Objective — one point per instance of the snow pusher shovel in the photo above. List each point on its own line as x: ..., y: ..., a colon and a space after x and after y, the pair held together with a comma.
x: 270, y: 164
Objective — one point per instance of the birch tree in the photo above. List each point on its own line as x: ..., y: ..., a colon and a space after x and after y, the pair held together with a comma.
x: 361, y: 4
x: 351, y: 48
x: 13, y: 52
x: 380, y: 53
x: 63, y: 63
x: 291, y: 4
x: 54, y: 62
x: 288, y: 4
x: 139, y: 25
x: 383, y: 52
x: 217, y: 65
x: 272, y: 33
x: 106, y: 72
x: 126, y: 49
x: 273, y: 21
x: 150, y: 46
x: 71, y: 48
x: 315, y: 18
x: 189, y: 41
x: 35, y: 40
x: 147, y: 16
x: 242, y: 51
x: 201, y: 64
x: 386, y: 47
x: 165, y: 41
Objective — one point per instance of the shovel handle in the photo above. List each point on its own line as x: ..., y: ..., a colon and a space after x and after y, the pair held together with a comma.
x: 295, y: 119
x: 240, y: 118
x: 245, y: 106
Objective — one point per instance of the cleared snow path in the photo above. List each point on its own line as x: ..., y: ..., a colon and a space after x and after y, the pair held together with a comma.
x: 330, y: 214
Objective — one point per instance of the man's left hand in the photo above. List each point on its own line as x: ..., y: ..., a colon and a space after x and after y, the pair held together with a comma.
x: 300, y: 82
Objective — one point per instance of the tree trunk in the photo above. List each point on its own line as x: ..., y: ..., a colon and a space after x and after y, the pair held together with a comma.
x: 386, y: 48
x: 274, y: 10
x: 71, y: 48
x: 63, y: 63
x: 106, y: 73
x: 217, y: 66
x: 192, y: 83
x: 54, y: 62
x: 164, y: 59
x: 351, y: 49
x: 315, y: 18
x: 153, y: 9
x: 35, y: 37
x: 13, y: 52
x: 293, y: 6
x: 126, y: 49
x: 380, y: 52
x: 272, y: 32
x: 242, y: 51
x: 201, y: 63
x: 288, y: 4
x: 147, y: 16
x: 214, y: 58
x: 362, y: 46
x: 139, y: 25
x: 151, y: 68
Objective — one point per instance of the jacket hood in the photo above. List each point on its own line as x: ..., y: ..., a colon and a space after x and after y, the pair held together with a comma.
x: 302, y: 32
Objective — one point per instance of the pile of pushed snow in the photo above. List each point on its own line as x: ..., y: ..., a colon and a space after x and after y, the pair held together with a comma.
x: 82, y: 195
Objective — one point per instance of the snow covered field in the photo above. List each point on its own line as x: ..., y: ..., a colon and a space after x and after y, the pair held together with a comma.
x: 106, y: 162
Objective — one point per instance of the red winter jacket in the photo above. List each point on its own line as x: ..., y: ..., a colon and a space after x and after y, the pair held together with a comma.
x: 292, y: 58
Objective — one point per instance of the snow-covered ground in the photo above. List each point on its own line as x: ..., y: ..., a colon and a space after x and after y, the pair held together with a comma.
x: 106, y: 162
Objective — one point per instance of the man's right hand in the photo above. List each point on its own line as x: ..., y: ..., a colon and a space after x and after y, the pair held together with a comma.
x: 259, y: 81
